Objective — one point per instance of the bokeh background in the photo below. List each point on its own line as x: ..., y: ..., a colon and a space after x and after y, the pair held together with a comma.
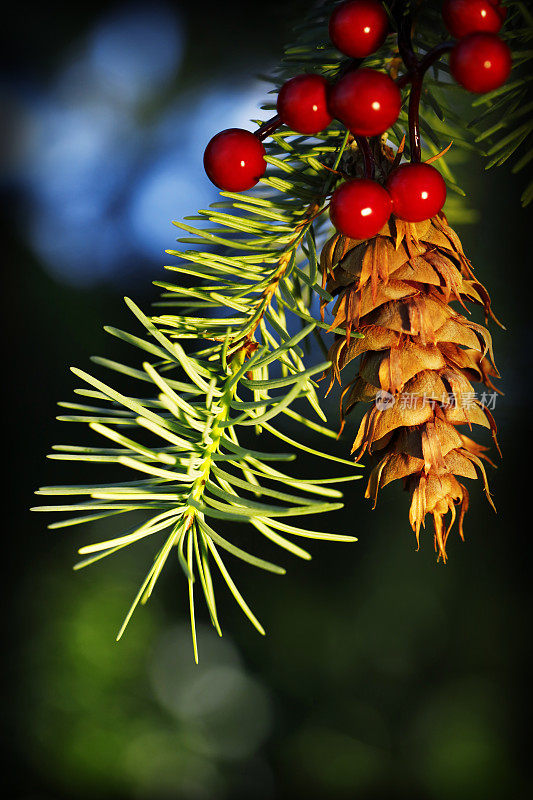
x: 384, y: 675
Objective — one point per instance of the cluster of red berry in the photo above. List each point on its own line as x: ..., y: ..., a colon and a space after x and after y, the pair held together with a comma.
x: 480, y: 61
x: 368, y: 102
x: 360, y: 207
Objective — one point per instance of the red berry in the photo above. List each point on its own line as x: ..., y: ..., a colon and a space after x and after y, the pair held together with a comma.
x: 358, y: 27
x: 366, y: 101
x: 302, y: 104
x: 360, y: 208
x: 480, y: 62
x: 418, y: 191
x: 234, y: 160
x: 502, y: 11
x: 462, y: 17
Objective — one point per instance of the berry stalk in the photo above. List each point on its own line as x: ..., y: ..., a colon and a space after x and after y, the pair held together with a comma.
x: 366, y: 151
x: 268, y: 128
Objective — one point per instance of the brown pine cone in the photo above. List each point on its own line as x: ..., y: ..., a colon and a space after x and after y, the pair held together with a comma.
x: 418, y: 358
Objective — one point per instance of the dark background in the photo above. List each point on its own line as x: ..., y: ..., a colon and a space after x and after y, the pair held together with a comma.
x: 384, y: 674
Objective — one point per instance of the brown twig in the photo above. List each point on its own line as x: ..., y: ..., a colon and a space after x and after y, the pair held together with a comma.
x: 364, y: 148
x: 268, y: 127
x: 416, y: 70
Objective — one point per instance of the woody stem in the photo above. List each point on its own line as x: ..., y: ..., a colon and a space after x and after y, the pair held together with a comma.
x: 364, y: 148
x: 410, y: 60
x: 268, y: 127
x: 416, y: 70
x: 415, y: 94
x: 425, y: 63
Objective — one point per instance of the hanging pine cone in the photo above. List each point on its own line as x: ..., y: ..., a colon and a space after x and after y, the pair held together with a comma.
x: 419, y: 356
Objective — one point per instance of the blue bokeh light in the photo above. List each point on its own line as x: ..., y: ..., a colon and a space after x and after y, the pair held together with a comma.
x: 99, y: 177
x: 137, y: 49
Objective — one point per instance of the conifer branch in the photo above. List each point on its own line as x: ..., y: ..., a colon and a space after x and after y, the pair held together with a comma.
x: 222, y: 355
x: 238, y: 315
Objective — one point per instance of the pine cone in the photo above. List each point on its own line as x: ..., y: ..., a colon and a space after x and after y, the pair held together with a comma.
x: 419, y: 356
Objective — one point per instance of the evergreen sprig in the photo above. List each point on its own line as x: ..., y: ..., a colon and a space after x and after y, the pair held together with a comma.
x: 226, y: 354
x: 258, y: 270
